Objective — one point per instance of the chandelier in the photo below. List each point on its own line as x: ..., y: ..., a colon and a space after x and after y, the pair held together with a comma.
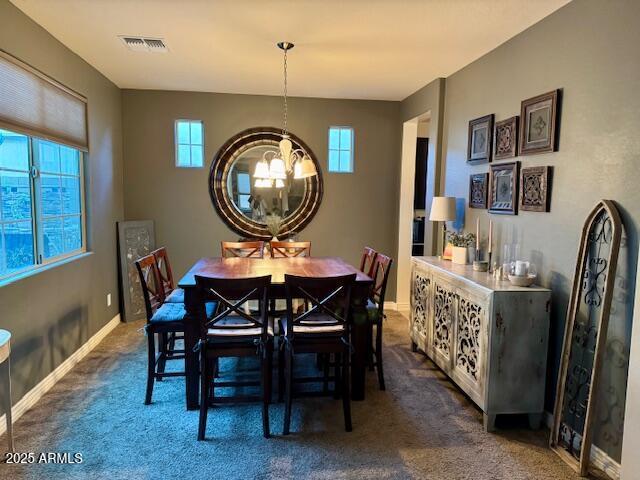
x: 278, y: 165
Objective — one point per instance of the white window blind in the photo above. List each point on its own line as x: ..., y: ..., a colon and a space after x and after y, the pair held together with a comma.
x: 35, y: 104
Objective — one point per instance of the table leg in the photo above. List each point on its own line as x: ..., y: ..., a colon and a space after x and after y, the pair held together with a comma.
x: 358, y: 360
x: 191, y: 358
x: 6, y: 381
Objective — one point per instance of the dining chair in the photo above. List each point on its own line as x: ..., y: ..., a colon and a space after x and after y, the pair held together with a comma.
x: 367, y: 260
x: 171, y: 293
x: 163, y: 319
x: 290, y: 249
x: 375, y: 312
x: 323, y: 327
x: 252, y: 249
x: 233, y: 332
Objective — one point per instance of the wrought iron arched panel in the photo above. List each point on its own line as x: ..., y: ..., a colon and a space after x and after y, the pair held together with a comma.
x: 585, y: 335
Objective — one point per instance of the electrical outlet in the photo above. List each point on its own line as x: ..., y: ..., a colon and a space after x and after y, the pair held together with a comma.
x: 108, y: 299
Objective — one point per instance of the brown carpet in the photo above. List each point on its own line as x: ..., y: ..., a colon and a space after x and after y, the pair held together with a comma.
x: 422, y: 427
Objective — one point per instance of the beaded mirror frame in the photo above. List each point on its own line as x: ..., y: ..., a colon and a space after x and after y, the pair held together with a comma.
x: 224, y: 204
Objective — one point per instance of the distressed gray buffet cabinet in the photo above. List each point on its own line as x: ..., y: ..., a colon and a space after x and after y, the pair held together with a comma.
x: 488, y: 336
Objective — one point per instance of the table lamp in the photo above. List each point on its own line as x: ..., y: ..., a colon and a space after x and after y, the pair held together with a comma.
x: 443, y: 209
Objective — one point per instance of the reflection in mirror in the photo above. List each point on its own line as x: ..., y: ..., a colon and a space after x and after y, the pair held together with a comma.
x: 281, y: 198
x: 249, y: 193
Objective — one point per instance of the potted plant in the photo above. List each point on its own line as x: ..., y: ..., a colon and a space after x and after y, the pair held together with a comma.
x: 460, y: 244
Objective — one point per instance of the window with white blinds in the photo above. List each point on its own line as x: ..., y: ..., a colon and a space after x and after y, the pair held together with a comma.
x: 36, y: 105
x: 43, y: 137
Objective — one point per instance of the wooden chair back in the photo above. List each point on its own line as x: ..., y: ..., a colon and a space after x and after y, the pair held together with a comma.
x: 152, y: 289
x: 290, y: 249
x: 367, y: 260
x: 164, y: 269
x: 253, y: 249
x: 381, y: 268
x: 327, y: 296
x: 232, y: 296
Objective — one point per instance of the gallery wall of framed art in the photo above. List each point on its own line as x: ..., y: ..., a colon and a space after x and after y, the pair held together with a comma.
x: 506, y: 188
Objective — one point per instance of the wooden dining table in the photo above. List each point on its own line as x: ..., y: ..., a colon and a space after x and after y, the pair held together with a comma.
x: 276, y: 267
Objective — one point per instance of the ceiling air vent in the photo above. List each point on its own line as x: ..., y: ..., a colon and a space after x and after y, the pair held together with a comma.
x: 144, y: 44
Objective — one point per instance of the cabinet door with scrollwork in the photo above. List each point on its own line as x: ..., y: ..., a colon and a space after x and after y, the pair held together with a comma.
x: 444, y: 311
x: 420, y: 283
x: 470, y: 341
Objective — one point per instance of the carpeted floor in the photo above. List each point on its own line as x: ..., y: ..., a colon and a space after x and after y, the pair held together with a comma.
x: 422, y: 427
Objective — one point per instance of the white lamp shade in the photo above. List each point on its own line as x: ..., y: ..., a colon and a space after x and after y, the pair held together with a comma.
x: 443, y: 209
x: 262, y: 183
x: 277, y: 169
x: 262, y: 169
x: 304, y: 168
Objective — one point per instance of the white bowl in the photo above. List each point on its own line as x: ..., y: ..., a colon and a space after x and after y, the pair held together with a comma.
x: 522, y: 280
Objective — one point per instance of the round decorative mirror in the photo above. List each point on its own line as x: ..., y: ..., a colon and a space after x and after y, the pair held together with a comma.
x: 251, y: 206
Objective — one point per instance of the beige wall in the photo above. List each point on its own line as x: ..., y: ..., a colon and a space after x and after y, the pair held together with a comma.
x: 590, y: 50
x: 54, y: 312
x: 358, y: 209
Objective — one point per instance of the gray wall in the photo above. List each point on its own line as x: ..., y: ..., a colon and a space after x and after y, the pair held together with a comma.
x: 358, y: 209
x: 590, y: 50
x: 54, y: 312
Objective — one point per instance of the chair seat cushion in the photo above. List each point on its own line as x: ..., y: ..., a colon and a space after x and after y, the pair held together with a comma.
x: 231, y: 321
x: 175, y: 312
x: 176, y: 296
x: 169, y: 312
x: 372, y: 311
x: 317, y: 324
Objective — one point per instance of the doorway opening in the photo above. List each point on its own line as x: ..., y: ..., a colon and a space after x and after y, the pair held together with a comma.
x: 417, y: 188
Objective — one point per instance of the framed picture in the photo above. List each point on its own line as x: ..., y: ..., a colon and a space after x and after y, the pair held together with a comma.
x: 479, y: 142
x: 535, y: 189
x: 135, y: 239
x: 503, y: 192
x: 505, y: 138
x: 539, y: 121
x: 478, y: 190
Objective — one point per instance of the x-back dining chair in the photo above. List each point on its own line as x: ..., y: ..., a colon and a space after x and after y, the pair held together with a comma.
x: 171, y: 293
x: 234, y: 332
x: 290, y: 249
x: 367, y: 260
x: 322, y: 328
x: 375, y: 310
x: 252, y: 249
x: 164, y: 319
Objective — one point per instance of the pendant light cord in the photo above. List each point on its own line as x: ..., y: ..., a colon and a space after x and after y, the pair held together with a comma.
x: 284, y: 129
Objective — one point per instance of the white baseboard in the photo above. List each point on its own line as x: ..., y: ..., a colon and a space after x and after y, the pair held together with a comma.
x: 390, y: 306
x: 599, y: 458
x: 403, y: 306
x: 36, y: 393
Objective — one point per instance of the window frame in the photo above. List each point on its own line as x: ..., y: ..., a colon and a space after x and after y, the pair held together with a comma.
x: 40, y: 262
x: 339, y: 150
x: 177, y: 143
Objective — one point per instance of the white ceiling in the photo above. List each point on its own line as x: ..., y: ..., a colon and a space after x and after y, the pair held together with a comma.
x: 374, y: 49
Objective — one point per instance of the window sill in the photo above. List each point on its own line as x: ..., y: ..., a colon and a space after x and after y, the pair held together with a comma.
x: 43, y: 268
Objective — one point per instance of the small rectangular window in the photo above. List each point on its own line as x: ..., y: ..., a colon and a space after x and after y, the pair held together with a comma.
x: 189, y: 139
x: 341, y: 149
